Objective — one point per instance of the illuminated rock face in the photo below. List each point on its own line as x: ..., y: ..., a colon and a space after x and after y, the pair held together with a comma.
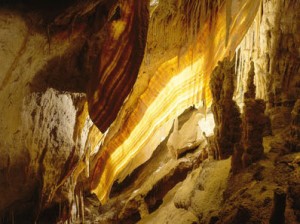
x: 168, y: 90
x: 96, y: 48
x: 188, y: 137
x: 121, y: 54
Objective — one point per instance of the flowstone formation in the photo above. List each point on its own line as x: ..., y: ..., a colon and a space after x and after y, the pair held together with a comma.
x: 113, y: 78
x: 225, y: 110
x: 174, y: 75
x: 128, y: 68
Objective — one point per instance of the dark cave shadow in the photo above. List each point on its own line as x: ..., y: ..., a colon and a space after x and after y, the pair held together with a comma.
x: 63, y: 73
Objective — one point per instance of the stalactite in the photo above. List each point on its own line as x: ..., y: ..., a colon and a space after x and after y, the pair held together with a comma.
x: 77, y: 206
x: 87, y: 161
x: 81, y: 206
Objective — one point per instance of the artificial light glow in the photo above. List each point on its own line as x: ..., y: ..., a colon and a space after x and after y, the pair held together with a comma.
x: 170, y: 91
x: 207, y: 124
x: 154, y: 3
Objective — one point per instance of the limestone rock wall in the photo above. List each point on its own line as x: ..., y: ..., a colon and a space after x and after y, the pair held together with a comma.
x: 46, y: 135
x: 49, y: 133
x: 272, y: 43
x: 18, y: 47
x: 44, y: 132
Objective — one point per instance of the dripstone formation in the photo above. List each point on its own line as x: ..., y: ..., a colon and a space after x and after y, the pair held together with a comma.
x: 254, y: 121
x: 225, y: 110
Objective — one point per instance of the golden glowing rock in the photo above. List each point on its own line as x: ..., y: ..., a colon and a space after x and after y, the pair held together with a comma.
x: 175, y: 85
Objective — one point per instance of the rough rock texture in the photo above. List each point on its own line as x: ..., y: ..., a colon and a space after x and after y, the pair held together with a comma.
x: 161, y: 199
x: 249, y: 197
x: 272, y: 43
x: 47, y: 121
x: 142, y: 192
x: 168, y: 213
x: 249, y: 194
x: 294, y: 138
x: 165, y: 88
x: 44, y: 123
x: 54, y: 55
x: 202, y: 192
x: 54, y: 143
x: 253, y: 123
x: 225, y: 110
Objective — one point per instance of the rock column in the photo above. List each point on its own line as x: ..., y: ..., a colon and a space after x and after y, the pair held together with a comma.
x: 254, y: 120
x: 225, y: 110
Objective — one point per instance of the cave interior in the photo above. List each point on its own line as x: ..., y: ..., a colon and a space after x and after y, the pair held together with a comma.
x: 150, y: 111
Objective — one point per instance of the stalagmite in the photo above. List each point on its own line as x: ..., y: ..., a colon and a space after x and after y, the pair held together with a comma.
x: 225, y: 110
x: 237, y: 158
x: 106, y: 69
x: 254, y: 121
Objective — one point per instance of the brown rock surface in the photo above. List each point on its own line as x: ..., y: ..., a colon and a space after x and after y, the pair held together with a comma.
x: 254, y: 121
x: 294, y: 138
x: 225, y: 110
x: 44, y: 124
x: 52, y: 53
x: 125, y: 36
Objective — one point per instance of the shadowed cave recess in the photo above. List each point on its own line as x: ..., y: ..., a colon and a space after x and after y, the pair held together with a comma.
x: 150, y: 111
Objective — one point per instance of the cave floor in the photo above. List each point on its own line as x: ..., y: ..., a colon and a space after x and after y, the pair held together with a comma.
x: 207, y: 192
